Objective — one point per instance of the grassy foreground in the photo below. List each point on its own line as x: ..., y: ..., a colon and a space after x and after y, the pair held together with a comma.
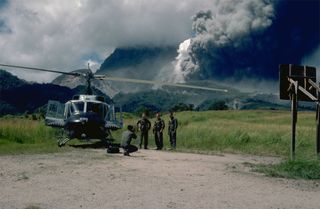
x: 301, y: 168
x: 266, y: 133
x: 250, y: 132
x: 26, y: 136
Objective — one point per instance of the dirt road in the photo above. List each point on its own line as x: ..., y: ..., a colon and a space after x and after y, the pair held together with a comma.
x: 149, y: 179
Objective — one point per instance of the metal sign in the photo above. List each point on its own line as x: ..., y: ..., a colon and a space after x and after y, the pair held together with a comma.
x: 301, y: 74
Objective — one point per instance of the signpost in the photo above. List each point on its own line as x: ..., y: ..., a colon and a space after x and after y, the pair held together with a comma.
x: 298, y: 83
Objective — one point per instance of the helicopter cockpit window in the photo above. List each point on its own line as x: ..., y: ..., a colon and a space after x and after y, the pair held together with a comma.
x: 76, y: 107
x: 95, y: 107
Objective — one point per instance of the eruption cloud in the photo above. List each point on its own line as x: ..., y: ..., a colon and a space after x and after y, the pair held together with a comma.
x: 181, y: 62
x: 248, y: 39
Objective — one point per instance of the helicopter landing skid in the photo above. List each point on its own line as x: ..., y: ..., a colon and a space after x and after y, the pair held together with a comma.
x: 63, y: 141
x: 63, y: 138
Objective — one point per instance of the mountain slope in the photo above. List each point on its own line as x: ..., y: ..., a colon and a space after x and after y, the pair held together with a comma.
x: 134, y: 62
x: 139, y: 63
x: 18, y: 96
x: 135, y: 56
x: 7, y: 81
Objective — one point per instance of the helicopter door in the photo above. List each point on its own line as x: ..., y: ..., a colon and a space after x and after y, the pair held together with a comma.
x: 114, y: 118
x: 55, y: 114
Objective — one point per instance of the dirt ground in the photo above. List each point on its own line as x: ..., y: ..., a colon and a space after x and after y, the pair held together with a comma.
x: 90, y: 178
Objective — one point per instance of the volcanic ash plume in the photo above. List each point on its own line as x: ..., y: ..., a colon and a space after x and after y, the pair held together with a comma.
x: 181, y: 62
x: 222, y: 36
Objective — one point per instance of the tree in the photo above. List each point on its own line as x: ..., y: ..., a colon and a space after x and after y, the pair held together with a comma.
x: 182, y: 107
x: 218, y: 105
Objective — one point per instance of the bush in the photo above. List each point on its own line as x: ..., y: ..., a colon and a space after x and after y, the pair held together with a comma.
x: 219, y: 105
x: 302, y: 168
x: 149, y: 112
x: 182, y: 107
x: 34, y: 117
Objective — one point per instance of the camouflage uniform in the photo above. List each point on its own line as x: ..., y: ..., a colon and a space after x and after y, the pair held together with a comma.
x: 144, y: 126
x: 172, y: 131
x: 158, y: 128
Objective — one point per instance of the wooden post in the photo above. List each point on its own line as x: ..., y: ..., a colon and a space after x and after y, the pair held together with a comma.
x: 293, y: 124
x: 318, y: 131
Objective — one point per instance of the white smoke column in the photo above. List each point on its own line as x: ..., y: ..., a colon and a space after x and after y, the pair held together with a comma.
x: 181, y: 59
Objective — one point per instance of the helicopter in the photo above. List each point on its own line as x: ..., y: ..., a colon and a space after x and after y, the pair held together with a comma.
x: 87, y: 116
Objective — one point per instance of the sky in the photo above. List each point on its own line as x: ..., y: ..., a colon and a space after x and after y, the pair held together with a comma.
x: 66, y: 35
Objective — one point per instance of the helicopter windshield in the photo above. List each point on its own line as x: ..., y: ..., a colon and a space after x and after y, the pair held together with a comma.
x: 77, y: 107
x: 95, y: 107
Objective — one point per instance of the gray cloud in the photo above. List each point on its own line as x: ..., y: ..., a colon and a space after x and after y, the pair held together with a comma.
x: 248, y: 39
x: 222, y: 34
x: 64, y: 34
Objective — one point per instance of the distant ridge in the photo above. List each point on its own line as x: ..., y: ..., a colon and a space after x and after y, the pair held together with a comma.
x: 134, y: 56
x: 18, y: 96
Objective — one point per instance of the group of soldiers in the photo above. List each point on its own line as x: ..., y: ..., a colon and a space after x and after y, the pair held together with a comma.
x: 144, y: 126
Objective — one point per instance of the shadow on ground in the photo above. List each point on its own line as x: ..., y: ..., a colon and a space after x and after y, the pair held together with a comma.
x: 90, y: 145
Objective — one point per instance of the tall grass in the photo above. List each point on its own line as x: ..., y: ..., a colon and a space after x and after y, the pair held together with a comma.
x: 306, y: 169
x: 22, y: 135
x: 251, y: 132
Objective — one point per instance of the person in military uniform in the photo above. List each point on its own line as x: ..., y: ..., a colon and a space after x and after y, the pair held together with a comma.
x: 158, y: 128
x: 144, y: 126
x: 127, y: 137
x: 172, y: 130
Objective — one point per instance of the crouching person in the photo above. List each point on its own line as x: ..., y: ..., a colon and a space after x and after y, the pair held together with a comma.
x: 127, y: 137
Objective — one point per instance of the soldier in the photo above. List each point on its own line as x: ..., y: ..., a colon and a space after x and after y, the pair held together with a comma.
x: 172, y: 130
x: 127, y: 137
x: 158, y: 128
x: 144, y: 125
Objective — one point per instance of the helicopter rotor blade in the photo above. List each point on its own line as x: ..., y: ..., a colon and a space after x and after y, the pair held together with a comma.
x: 130, y: 80
x: 40, y: 69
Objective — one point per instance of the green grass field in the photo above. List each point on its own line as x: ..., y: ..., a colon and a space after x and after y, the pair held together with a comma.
x: 258, y: 132
x: 266, y: 133
x: 251, y: 132
x: 26, y: 136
